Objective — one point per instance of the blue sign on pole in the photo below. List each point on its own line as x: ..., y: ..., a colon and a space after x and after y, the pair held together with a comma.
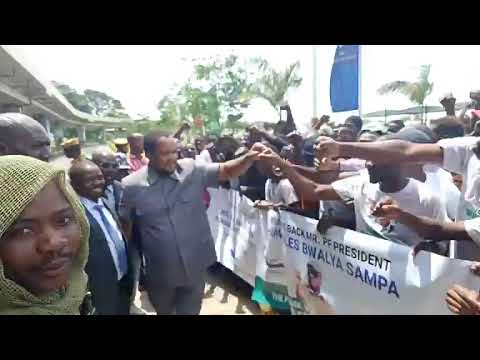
x: 344, y: 78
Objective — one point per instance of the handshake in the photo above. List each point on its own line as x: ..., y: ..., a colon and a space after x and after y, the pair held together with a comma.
x: 263, y: 153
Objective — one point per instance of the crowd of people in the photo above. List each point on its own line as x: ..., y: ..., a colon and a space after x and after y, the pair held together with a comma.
x: 84, y: 241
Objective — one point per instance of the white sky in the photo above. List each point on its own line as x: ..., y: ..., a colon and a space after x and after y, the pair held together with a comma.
x: 140, y: 75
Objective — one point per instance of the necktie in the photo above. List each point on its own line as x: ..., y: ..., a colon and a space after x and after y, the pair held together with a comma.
x: 117, y: 241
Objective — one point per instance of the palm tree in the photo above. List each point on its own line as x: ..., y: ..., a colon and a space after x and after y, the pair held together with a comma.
x: 273, y: 85
x: 416, y: 91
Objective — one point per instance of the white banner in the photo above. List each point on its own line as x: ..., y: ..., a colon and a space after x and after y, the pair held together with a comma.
x: 231, y: 219
x: 344, y: 272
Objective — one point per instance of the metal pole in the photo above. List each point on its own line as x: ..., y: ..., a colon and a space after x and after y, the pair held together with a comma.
x: 360, y: 51
x: 315, y: 74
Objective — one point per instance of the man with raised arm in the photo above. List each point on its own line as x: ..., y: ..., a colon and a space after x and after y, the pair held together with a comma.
x: 458, y: 155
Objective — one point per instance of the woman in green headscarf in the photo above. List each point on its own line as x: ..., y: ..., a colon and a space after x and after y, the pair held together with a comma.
x: 43, y: 240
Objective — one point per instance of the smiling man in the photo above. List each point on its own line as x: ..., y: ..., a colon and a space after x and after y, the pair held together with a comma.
x: 108, y: 267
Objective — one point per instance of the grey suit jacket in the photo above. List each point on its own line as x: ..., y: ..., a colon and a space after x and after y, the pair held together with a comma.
x: 170, y: 214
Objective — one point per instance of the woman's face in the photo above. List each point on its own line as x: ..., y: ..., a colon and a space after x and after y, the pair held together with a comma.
x: 39, y: 249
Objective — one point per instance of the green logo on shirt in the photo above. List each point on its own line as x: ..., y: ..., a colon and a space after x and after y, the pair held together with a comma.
x: 472, y: 213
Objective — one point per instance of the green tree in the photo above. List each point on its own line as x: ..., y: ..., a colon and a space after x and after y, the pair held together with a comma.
x: 78, y: 101
x: 273, y: 85
x: 221, y: 88
x: 416, y: 91
x: 229, y: 80
x: 92, y: 101
x: 104, y: 105
x: 218, y: 89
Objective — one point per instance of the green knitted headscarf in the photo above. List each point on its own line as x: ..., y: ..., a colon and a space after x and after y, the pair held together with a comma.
x: 21, y: 179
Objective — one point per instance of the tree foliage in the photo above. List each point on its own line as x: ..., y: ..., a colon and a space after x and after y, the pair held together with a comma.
x: 220, y: 89
x: 92, y: 101
x: 78, y: 101
x: 273, y: 85
x: 416, y: 91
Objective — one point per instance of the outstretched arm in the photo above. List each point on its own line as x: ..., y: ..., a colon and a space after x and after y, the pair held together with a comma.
x: 425, y: 227
x: 396, y: 151
x: 237, y: 167
x: 307, y: 189
x: 320, y: 177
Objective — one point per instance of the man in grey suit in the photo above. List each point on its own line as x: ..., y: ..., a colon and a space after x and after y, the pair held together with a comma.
x: 164, y: 201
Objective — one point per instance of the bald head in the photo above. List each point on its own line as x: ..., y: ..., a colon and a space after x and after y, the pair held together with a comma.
x: 107, y: 163
x: 22, y: 135
x: 87, y: 179
x: 102, y: 155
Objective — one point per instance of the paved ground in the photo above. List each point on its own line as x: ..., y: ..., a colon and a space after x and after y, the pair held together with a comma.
x: 225, y: 293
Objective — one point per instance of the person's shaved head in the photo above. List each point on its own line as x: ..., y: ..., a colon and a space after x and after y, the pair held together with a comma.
x: 107, y: 162
x: 102, y: 155
x: 22, y: 135
x: 87, y: 179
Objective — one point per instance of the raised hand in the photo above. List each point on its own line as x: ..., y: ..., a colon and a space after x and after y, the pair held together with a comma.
x: 475, y: 268
x: 463, y: 301
x: 326, y: 148
x: 263, y: 205
x: 326, y: 164
x: 272, y: 157
x: 301, y: 289
x: 258, y: 147
x: 386, y: 209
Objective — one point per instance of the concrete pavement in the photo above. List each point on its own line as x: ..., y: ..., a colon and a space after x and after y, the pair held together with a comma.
x: 225, y: 294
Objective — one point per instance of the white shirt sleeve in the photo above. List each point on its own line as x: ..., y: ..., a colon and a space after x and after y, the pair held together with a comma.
x: 439, y: 209
x: 287, y: 192
x: 453, y: 200
x: 204, y: 156
x: 349, y: 188
x: 456, y: 153
x: 472, y: 227
x: 352, y: 165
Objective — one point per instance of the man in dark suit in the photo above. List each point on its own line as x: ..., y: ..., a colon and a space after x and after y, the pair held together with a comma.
x: 108, y: 164
x: 108, y: 268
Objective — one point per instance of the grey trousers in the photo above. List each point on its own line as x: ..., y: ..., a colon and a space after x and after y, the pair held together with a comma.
x: 183, y: 300
x: 135, y: 262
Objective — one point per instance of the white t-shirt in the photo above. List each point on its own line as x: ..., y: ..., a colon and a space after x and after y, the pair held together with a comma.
x: 458, y: 157
x: 415, y: 197
x: 472, y: 227
x: 439, y: 180
x: 352, y: 164
x: 441, y: 183
x: 281, y: 192
x: 204, y: 156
